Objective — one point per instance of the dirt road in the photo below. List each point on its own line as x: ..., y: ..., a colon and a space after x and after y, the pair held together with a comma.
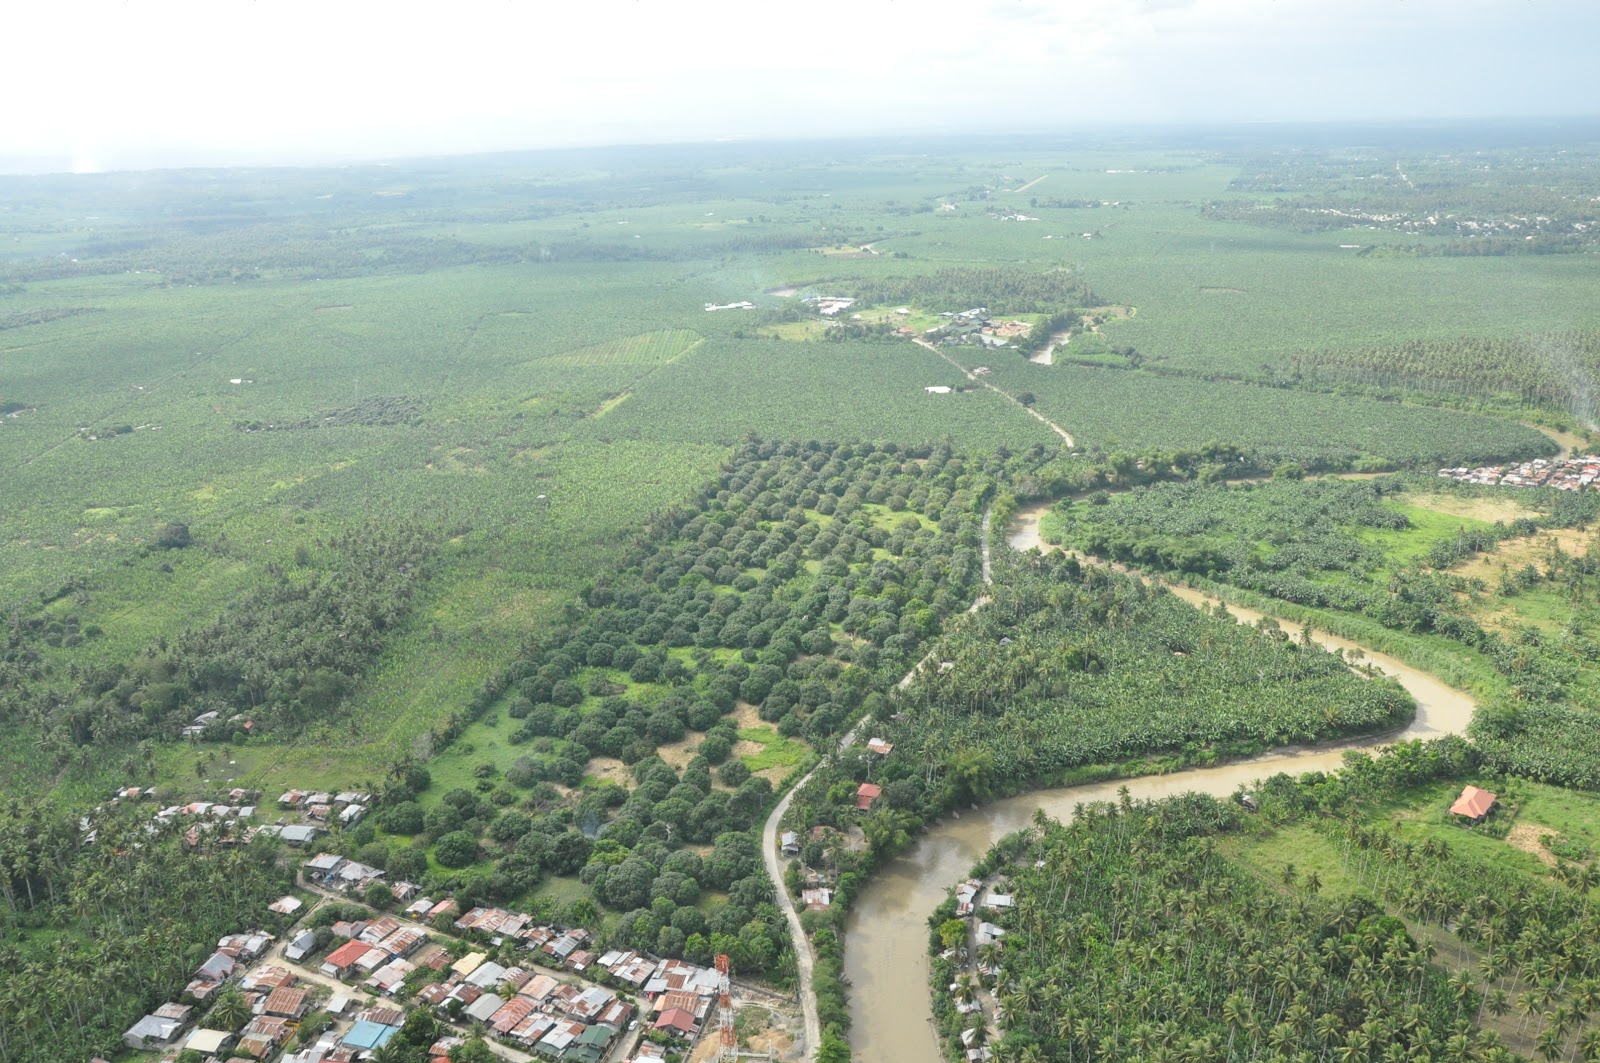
x: 1029, y: 410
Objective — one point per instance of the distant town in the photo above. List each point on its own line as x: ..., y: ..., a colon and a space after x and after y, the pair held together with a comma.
x: 1564, y: 474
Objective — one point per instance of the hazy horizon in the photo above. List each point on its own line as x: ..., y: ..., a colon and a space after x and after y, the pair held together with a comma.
x: 114, y: 87
x: 156, y: 159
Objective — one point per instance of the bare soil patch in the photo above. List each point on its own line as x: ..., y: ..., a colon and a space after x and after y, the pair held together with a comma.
x: 746, y: 748
x: 1486, y: 509
x: 1513, y: 554
x: 1565, y: 440
x: 680, y: 753
x: 774, y: 1035
x: 1525, y: 836
x: 774, y: 775
x: 609, y: 769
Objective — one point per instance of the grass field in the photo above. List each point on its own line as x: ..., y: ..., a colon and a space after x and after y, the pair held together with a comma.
x: 1530, y: 811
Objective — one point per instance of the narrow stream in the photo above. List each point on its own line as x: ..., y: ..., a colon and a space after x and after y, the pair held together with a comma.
x: 886, y: 956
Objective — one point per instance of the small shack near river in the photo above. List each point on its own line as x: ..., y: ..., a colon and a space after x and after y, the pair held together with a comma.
x: 1474, y: 804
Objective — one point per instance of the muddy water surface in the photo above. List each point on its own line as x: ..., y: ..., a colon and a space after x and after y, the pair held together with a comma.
x: 886, y: 957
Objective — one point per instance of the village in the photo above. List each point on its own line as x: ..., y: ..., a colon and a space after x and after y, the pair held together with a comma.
x: 977, y: 959
x: 960, y: 327
x: 332, y: 993
x: 1564, y: 474
x: 335, y: 985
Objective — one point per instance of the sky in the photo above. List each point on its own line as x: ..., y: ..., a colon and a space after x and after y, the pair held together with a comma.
x: 113, y: 84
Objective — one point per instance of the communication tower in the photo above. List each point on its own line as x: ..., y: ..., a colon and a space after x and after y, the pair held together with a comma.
x: 730, y: 1041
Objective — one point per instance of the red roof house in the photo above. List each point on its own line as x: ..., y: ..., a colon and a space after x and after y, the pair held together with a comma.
x: 866, y: 794
x: 342, y: 960
x: 676, y: 1020
x: 1473, y: 803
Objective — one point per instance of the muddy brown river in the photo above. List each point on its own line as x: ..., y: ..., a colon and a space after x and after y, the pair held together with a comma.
x: 886, y: 956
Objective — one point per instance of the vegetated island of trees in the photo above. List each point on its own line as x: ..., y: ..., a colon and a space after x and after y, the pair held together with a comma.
x: 1001, y: 289
x: 1073, y: 665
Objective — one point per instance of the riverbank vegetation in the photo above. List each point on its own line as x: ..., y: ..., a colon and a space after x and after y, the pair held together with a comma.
x: 1509, y: 598
x: 1072, y: 667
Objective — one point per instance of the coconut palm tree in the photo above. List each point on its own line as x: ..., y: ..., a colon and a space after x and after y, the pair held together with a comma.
x: 230, y: 1012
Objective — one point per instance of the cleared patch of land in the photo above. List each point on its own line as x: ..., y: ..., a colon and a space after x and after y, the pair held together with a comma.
x: 661, y: 347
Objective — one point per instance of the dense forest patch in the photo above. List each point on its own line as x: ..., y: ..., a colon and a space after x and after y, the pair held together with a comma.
x: 1352, y: 914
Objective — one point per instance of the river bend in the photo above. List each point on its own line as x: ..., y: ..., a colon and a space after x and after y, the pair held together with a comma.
x: 886, y: 956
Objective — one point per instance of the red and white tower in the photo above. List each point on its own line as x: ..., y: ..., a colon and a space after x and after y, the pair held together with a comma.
x: 730, y: 1040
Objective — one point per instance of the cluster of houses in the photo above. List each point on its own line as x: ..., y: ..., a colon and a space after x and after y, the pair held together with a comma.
x: 557, y: 1020
x: 228, y: 822
x: 332, y: 871
x: 975, y: 326
x: 232, y: 953
x: 197, y: 727
x: 241, y: 804
x: 681, y: 993
x: 816, y: 893
x: 369, y: 1030
x: 745, y: 305
x: 1564, y: 474
x: 561, y: 948
x: 969, y: 892
x: 829, y: 305
x: 347, y: 807
x: 376, y: 950
x: 973, y: 896
x: 274, y: 1002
